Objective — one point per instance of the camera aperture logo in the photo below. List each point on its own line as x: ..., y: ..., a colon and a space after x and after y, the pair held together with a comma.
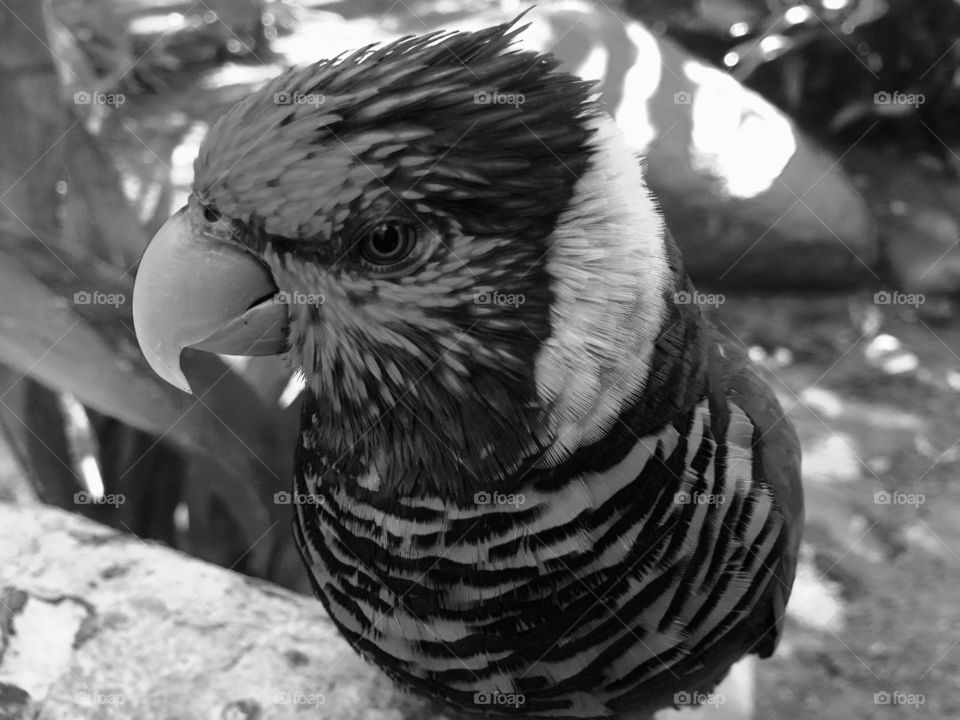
x: 898, y: 98
x: 898, y: 298
x: 496, y: 698
x: 698, y: 698
x: 85, y: 498
x: 883, y: 497
x: 298, y: 98
x: 295, y: 297
x: 492, y: 296
x: 683, y: 97
x: 95, y: 297
x: 297, y: 498
x: 82, y: 97
x: 896, y: 697
x: 89, y: 698
x: 698, y: 298
x: 300, y: 698
x: 696, y: 498
x: 499, y: 498
x: 495, y: 97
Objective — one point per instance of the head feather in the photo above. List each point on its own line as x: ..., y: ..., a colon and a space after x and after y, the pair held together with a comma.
x: 491, y: 134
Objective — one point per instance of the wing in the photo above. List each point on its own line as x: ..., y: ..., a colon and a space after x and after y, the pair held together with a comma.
x: 776, y: 465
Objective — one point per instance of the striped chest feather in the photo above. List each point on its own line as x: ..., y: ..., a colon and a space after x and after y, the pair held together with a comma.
x: 562, y: 601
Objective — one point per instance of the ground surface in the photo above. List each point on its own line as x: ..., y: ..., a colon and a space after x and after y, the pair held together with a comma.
x: 875, y: 608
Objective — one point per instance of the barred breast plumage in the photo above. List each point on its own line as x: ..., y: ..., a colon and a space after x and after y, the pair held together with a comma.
x: 613, y: 582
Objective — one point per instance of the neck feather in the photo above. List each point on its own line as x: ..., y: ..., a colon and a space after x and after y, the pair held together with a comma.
x: 609, y: 270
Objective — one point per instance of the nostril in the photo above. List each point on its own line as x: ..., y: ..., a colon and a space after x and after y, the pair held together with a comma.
x: 210, y: 214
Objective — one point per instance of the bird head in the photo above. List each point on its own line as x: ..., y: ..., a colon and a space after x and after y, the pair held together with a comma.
x: 446, y: 235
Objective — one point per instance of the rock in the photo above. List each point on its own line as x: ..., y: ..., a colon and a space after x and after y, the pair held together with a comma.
x: 97, y: 624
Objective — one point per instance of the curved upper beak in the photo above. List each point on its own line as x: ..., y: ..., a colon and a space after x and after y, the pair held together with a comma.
x: 198, y: 288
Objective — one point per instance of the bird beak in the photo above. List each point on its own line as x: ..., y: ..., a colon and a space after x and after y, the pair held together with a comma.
x: 198, y: 288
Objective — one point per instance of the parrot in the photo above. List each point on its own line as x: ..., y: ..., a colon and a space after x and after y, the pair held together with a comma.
x: 533, y: 479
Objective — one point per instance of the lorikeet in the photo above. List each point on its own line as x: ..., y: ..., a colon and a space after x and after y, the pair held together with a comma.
x: 539, y: 482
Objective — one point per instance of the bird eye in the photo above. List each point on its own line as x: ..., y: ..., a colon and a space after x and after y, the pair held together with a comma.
x: 387, y: 244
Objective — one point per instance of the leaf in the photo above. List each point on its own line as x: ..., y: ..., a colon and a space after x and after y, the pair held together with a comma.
x: 89, y: 349
x: 33, y: 427
x: 99, y: 218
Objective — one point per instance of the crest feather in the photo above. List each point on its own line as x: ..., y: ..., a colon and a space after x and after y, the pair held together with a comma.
x: 494, y: 125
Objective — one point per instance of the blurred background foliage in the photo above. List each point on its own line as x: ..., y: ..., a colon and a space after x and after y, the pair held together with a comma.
x: 873, y: 389
x: 823, y: 62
